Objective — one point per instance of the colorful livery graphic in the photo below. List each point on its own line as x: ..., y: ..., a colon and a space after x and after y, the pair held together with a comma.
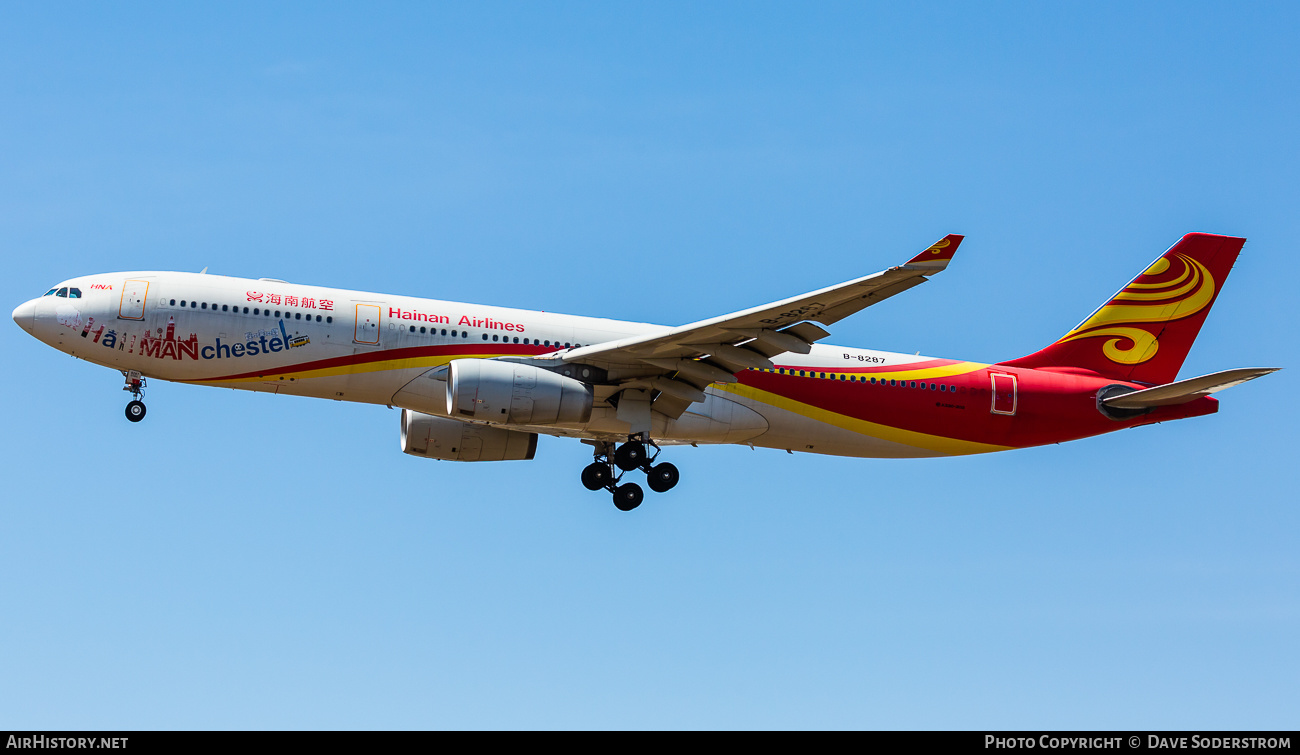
x: 478, y: 383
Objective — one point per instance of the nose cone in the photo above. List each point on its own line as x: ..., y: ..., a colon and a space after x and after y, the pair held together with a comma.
x: 25, y: 315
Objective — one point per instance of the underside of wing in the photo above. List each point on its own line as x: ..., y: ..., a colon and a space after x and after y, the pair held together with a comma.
x: 674, y: 365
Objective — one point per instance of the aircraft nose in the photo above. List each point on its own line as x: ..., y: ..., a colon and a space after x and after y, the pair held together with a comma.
x: 25, y: 315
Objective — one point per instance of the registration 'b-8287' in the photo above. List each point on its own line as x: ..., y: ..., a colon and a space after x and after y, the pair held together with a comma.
x: 478, y: 383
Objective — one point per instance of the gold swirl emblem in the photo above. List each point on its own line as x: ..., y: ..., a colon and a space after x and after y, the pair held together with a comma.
x: 1159, y: 302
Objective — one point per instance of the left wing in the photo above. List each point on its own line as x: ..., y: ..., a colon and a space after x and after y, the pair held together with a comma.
x: 680, y: 362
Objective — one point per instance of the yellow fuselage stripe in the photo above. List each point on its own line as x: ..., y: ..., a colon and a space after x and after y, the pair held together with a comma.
x: 936, y: 443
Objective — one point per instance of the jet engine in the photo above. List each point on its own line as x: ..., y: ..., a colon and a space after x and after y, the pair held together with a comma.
x: 452, y: 440
x: 518, y: 394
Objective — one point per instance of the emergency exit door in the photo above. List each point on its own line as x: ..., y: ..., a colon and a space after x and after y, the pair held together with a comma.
x: 1004, y: 393
x: 134, y: 294
x: 367, y: 328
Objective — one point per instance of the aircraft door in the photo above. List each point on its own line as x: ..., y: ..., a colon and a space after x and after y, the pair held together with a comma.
x: 367, y: 326
x: 1004, y: 393
x: 134, y: 294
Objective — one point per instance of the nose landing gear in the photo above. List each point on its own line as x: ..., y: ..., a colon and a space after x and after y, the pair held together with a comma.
x: 611, y: 464
x: 135, y: 384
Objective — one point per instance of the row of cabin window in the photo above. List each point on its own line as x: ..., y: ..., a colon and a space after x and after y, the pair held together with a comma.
x: 495, y: 337
x: 256, y: 310
x: 863, y: 379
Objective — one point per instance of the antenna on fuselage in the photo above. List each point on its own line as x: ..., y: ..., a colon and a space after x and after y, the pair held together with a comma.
x: 204, y: 271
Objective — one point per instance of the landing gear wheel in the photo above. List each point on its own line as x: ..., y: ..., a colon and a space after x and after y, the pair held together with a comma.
x: 135, y: 411
x: 596, y: 476
x: 630, y: 455
x: 628, y: 496
x: 662, y: 477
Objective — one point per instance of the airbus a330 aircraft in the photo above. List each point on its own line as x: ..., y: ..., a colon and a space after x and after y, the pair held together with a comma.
x: 479, y: 383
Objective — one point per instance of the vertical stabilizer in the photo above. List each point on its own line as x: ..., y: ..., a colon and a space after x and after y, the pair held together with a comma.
x: 1144, y: 332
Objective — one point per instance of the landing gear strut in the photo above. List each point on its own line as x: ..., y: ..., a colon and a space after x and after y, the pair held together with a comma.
x: 135, y: 384
x: 611, y: 464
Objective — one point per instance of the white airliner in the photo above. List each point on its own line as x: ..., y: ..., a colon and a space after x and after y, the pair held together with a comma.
x: 478, y: 383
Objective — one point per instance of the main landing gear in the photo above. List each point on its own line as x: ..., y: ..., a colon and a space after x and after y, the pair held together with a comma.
x: 135, y: 384
x: 633, y: 454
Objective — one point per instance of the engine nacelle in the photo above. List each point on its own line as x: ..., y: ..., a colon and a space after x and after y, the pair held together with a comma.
x: 515, y: 394
x: 452, y: 440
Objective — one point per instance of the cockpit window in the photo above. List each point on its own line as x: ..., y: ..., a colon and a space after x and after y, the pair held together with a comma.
x: 62, y: 292
x: 50, y: 292
x: 74, y: 293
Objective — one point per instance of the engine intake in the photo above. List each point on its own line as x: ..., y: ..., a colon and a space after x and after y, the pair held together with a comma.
x: 452, y: 440
x: 515, y: 394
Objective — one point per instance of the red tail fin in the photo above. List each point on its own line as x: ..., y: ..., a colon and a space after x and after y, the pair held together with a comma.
x: 1144, y: 332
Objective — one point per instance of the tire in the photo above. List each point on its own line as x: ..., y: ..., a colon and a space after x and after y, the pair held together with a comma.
x: 662, y: 477
x: 628, y: 496
x: 596, y: 476
x: 135, y: 411
x: 630, y: 455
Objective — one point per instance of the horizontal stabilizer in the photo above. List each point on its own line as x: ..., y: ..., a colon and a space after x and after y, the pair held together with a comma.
x: 1186, y: 390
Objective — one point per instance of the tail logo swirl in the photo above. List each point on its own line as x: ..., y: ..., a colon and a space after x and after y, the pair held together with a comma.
x: 1157, y: 296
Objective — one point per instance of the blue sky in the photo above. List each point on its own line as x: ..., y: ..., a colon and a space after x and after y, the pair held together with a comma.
x: 247, y: 561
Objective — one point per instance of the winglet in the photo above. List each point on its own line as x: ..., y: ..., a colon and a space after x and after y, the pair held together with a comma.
x: 938, y: 256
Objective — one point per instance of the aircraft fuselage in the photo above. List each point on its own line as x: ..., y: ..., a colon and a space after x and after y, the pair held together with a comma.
x: 303, y: 340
